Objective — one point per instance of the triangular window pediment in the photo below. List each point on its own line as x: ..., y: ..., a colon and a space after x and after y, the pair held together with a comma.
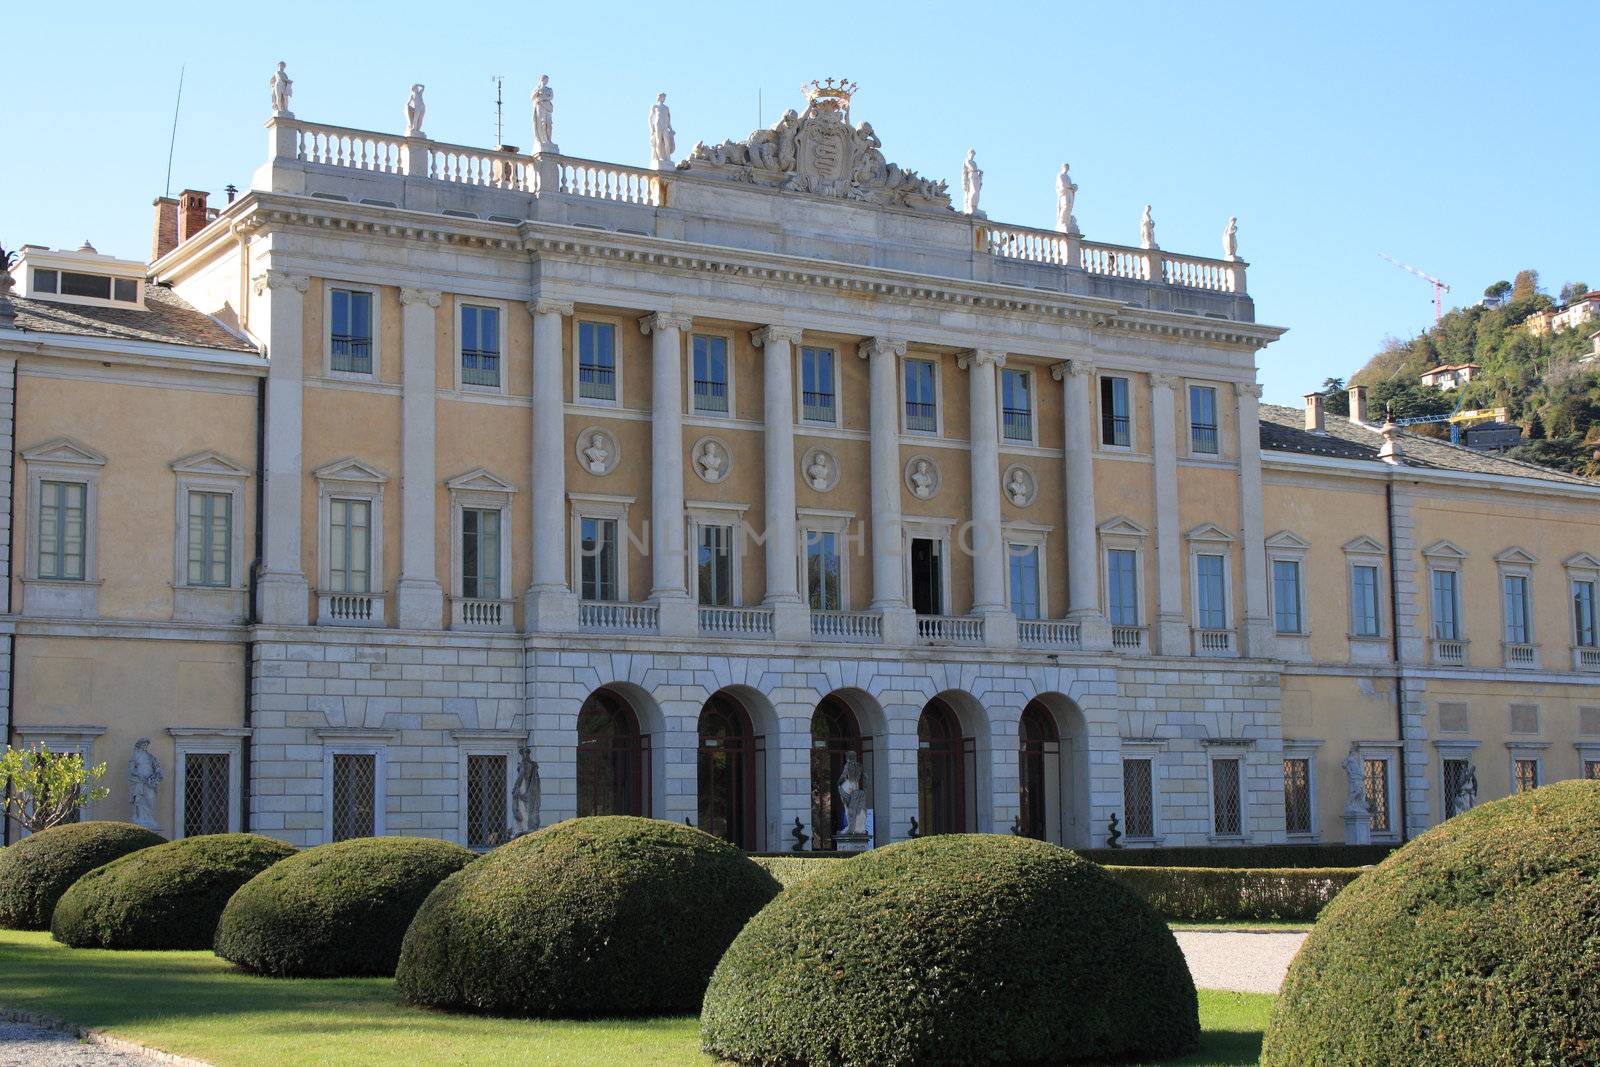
x: 1209, y: 531
x: 1581, y: 562
x: 1122, y: 526
x: 1444, y: 549
x: 349, y: 470
x: 1364, y: 546
x: 212, y: 463
x: 1520, y: 556
x: 479, y: 480
x: 64, y: 450
x: 1286, y: 539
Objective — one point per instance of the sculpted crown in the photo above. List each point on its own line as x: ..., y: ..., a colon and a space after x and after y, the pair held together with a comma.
x: 834, y: 92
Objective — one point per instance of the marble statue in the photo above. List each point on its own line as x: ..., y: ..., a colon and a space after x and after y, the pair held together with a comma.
x: 711, y: 461
x: 1147, y: 230
x: 853, y: 794
x: 922, y: 479
x: 1467, y: 790
x: 1066, y: 198
x: 282, y: 89
x: 663, y: 138
x: 971, y: 183
x: 1356, y: 773
x: 1230, y: 238
x: 819, y: 472
x: 415, y: 109
x: 525, y: 792
x: 1018, y: 488
x: 596, y: 453
x: 144, y: 781
x: 544, y: 116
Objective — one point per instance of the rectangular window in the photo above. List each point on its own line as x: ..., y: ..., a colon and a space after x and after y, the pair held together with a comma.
x: 355, y: 795
x: 1526, y: 774
x: 350, y: 546
x: 1455, y: 773
x: 1591, y: 769
x: 1016, y: 405
x: 1225, y: 797
x: 714, y: 565
x: 1446, y: 605
x: 823, y: 585
x: 1203, y: 419
x: 1122, y: 586
x: 210, y: 539
x: 125, y: 290
x: 922, y: 410
x: 206, y: 799
x: 350, y: 331
x: 1116, y: 417
x: 597, y: 361
x: 1286, y: 596
x: 1024, y: 562
x: 1377, y: 778
x: 817, y: 393
x: 45, y: 281
x: 1138, y: 798
x: 480, y: 346
x: 63, y: 529
x: 711, y: 375
x: 480, y: 553
x: 486, y: 801
x: 1364, y: 600
x: 1297, y: 796
x: 598, y: 562
x: 1515, y: 590
x: 92, y: 285
x: 1211, y: 591
x: 1584, y: 631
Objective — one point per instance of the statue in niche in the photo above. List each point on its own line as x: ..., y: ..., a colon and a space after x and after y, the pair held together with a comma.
x: 853, y: 794
x: 544, y: 116
x: 1230, y: 238
x: 1356, y: 775
x: 1147, y: 230
x: 282, y: 87
x: 1018, y: 488
x: 415, y: 109
x: 663, y: 139
x: 1467, y: 791
x: 922, y: 479
x: 1066, y: 198
x: 525, y: 792
x: 711, y: 461
x: 596, y: 454
x: 144, y: 781
x: 971, y: 183
x: 819, y: 472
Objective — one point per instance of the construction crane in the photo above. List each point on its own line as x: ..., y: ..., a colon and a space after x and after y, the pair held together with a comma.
x: 1457, y: 418
x: 1439, y: 288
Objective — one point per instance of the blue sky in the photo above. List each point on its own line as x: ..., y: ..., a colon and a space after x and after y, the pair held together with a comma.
x: 1456, y: 137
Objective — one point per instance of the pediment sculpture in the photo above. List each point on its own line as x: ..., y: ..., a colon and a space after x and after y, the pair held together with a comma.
x: 820, y: 152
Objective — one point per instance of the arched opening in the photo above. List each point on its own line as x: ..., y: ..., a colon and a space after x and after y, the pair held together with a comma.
x: 946, y: 771
x: 836, y: 738
x: 613, y: 757
x: 731, y: 772
x: 1053, y: 771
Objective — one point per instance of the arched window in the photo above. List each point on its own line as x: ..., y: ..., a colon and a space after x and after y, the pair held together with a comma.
x: 835, y: 735
x: 613, y: 758
x: 941, y: 781
x: 728, y: 771
x: 1038, y: 772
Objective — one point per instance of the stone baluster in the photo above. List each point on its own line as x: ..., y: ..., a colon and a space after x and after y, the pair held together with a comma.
x: 1172, y: 629
x: 1256, y: 636
x: 987, y: 541
x: 668, y: 555
x: 549, y: 605
x: 281, y: 589
x: 419, y: 599
x: 888, y: 579
x: 1083, y: 559
x: 790, y: 617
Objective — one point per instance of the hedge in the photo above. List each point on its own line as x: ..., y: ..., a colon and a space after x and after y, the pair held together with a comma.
x: 38, y: 869
x: 335, y: 910
x: 955, y: 949
x: 1220, y: 893
x: 164, y: 897
x: 1474, y: 944
x: 1331, y: 855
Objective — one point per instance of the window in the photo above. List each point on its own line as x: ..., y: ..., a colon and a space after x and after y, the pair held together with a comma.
x: 1364, y: 620
x: 823, y: 573
x: 350, y: 330
x: 714, y: 565
x: 480, y: 346
x: 1514, y: 589
x: 817, y: 392
x: 598, y: 559
x: 207, y: 801
x: 1454, y: 777
x: 210, y: 540
x: 480, y: 553
x: 597, y: 361
x: 1297, y: 795
x: 1225, y: 797
x: 1591, y: 769
x: 1016, y: 405
x: 1116, y: 413
x: 1286, y: 596
x: 922, y: 402
x: 354, y: 789
x: 1024, y: 566
x: 46, y: 281
x: 927, y: 576
x: 1446, y: 605
x: 1376, y: 772
x: 1211, y: 591
x: 486, y: 800
x: 1138, y: 798
x: 1203, y: 419
x: 63, y: 530
x: 1584, y: 631
x: 1122, y: 586
x: 711, y: 392
x: 1525, y: 774
x: 349, y: 546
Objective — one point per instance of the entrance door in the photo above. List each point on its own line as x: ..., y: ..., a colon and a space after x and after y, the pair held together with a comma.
x: 927, y: 577
x: 729, y: 768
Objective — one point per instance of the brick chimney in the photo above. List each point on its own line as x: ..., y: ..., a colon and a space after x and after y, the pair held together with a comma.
x: 1314, y: 415
x: 166, y: 231
x: 191, y: 213
x: 1358, y: 403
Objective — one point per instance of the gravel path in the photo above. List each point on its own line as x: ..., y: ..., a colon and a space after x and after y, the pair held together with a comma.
x: 25, y: 1045
x: 1244, y: 961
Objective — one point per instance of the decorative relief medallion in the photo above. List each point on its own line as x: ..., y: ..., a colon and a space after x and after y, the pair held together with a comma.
x: 597, y: 451
x: 821, y: 469
x: 713, y: 459
x: 922, y: 477
x: 1020, y: 487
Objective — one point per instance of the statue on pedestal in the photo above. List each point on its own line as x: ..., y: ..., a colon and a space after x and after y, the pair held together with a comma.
x: 1356, y: 774
x: 1147, y: 230
x: 1230, y: 238
x: 415, y: 109
x: 525, y: 793
x: 544, y: 117
x: 971, y: 184
x: 144, y: 781
x: 282, y: 87
x: 663, y: 138
x: 1467, y: 791
x: 1066, y: 198
x: 853, y: 794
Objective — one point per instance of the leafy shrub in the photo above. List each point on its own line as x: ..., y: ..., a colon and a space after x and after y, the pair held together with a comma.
x: 335, y: 910
x: 164, y: 897
x: 38, y: 869
x: 1207, y: 893
x: 1330, y: 855
x: 1473, y: 944
x: 956, y: 949
x: 793, y: 869
x: 611, y: 915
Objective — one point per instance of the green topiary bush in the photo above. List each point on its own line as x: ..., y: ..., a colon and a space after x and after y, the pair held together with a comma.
x: 38, y: 869
x: 957, y: 949
x: 1477, y: 943
x: 335, y: 910
x: 611, y: 915
x: 164, y: 897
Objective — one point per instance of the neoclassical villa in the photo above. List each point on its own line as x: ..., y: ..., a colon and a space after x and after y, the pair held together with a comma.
x: 692, y: 480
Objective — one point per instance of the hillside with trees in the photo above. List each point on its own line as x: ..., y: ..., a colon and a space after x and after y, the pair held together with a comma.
x: 1537, y: 378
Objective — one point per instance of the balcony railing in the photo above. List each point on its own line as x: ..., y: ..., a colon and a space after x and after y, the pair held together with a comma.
x: 352, y: 353
x: 472, y: 613
x: 710, y: 396
x: 816, y: 407
x: 1017, y: 424
x: 1522, y: 656
x: 950, y: 629
x: 846, y: 626
x: 597, y: 382
x: 1115, y: 430
x: 1586, y: 658
x: 921, y: 417
x: 613, y: 617
x: 1203, y: 438
x: 1213, y: 642
x: 1128, y: 638
x: 480, y: 367
x: 1449, y: 651
x: 1049, y: 633
x: 736, y: 622
x: 350, y: 609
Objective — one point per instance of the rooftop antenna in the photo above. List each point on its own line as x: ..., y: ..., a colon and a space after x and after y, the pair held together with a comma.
x: 499, y: 108
x: 173, y: 144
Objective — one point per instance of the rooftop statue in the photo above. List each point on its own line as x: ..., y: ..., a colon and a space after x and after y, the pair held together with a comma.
x: 663, y: 138
x: 971, y: 184
x: 282, y: 89
x: 415, y: 109
x: 1147, y: 230
x: 1066, y: 198
x: 544, y: 117
x: 1230, y: 239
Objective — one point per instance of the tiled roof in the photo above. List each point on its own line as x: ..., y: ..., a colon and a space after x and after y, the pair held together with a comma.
x: 1283, y: 430
x: 164, y: 319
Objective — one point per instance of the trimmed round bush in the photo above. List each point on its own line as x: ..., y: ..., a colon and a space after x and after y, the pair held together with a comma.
x: 610, y: 915
x: 1477, y: 943
x: 335, y: 910
x: 956, y: 949
x: 38, y: 869
x: 164, y: 897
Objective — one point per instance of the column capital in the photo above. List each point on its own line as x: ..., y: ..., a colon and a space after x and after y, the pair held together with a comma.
x: 430, y: 297
x: 1250, y: 389
x: 981, y: 357
x: 665, y: 320
x: 1164, y: 381
x: 878, y: 346
x: 545, y: 305
x: 780, y: 334
x: 1077, y: 368
x: 280, y: 279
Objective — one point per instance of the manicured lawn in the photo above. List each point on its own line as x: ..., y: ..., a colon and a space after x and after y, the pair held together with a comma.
x: 195, y: 1004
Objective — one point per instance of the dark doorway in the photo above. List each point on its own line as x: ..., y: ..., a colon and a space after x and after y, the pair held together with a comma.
x: 941, y: 770
x: 835, y: 734
x: 613, y: 758
x: 729, y: 772
x: 927, y: 576
x: 1038, y: 772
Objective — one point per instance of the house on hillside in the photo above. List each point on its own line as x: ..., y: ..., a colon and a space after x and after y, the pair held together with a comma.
x: 1450, y: 375
x: 1584, y: 309
x: 1538, y: 323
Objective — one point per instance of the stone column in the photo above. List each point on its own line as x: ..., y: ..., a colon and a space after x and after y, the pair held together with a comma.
x: 987, y: 540
x: 549, y: 605
x: 1172, y: 628
x: 790, y: 614
x: 281, y: 588
x: 1083, y: 557
x: 888, y: 580
x: 1255, y: 635
x: 668, y: 557
x: 419, y: 599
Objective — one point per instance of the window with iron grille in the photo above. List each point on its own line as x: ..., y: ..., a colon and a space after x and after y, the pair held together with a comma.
x: 816, y: 385
x: 1116, y: 423
x: 350, y: 331
x: 1526, y: 774
x: 710, y: 375
x: 480, y: 346
x: 1591, y: 769
x: 1225, y: 797
x: 597, y: 361
x: 210, y: 539
x: 1453, y: 778
x: 486, y: 800
x: 1377, y: 777
x: 206, y: 802
x: 1016, y: 405
x: 355, y: 795
x: 1138, y: 798
x: 1297, y: 796
x: 922, y: 410
x: 1203, y: 419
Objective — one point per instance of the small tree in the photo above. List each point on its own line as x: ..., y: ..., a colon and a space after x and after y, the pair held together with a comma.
x: 44, y: 789
x: 1574, y: 291
x: 1527, y: 284
x: 1498, y: 290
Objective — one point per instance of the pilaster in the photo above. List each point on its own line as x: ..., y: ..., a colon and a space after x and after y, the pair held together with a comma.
x: 988, y: 543
x: 1083, y: 558
x: 282, y: 592
x: 668, y: 554
x: 1172, y: 629
x: 549, y: 605
x: 419, y: 598
x: 1256, y: 635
